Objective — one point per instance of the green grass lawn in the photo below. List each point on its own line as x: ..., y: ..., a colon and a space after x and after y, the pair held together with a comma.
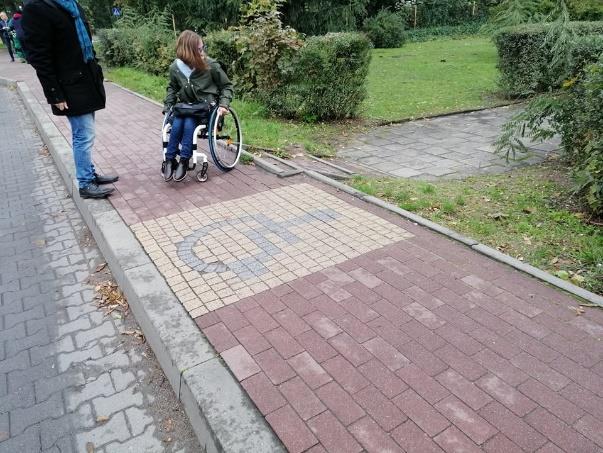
x: 526, y: 214
x: 402, y: 83
x: 427, y: 78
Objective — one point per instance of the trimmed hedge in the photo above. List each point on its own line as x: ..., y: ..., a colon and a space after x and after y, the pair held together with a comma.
x: 524, y: 56
x: 386, y: 29
x: 325, y: 79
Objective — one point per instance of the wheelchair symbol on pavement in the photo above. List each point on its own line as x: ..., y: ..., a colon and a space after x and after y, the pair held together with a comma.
x: 254, y: 265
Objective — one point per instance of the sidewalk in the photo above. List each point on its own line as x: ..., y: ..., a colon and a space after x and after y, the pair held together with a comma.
x: 70, y: 380
x: 450, y: 146
x: 352, y: 329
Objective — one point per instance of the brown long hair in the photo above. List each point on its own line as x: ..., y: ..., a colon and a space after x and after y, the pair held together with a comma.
x: 187, y: 49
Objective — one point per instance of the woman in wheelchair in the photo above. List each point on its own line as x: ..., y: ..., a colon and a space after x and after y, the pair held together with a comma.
x: 197, y: 83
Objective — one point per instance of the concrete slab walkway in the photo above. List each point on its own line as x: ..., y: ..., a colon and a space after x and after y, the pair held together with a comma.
x: 70, y: 380
x: 453, y: 146
x: 352, y: 329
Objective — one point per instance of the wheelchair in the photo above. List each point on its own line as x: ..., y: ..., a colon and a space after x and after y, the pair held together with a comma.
x: 225, y: 140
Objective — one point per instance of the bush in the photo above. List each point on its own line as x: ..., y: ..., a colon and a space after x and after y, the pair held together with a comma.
x: 386, y: 29
x: 576, y: 115
x: 525, y: 56
x: 145, y: 43
x: 452, y: 31
x: 325, y: 79
x: 437, y: 13
x: 586, y: 9
x: 222, y: 46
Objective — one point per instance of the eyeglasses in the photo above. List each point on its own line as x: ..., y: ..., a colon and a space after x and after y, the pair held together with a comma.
x: 203, y: 48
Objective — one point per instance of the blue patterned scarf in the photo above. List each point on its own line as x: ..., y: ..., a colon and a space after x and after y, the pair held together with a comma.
x: 72, y: 8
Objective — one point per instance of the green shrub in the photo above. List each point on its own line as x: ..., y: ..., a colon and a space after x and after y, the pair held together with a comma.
x: 222, y: 46
x: 525, y: 55
x: 452, y: 31
x: 325, y: 79
x: 437, y: 13
x: 386, y: 29
x: 145, y: 43
x: 586, y: 9
x: 575, y: 114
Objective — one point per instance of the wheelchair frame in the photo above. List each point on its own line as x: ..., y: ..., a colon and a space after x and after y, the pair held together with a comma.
x: 201, y: 131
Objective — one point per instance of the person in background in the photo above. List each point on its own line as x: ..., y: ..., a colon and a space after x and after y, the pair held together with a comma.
x: 59, y: 47
x: 17, y: 35
x: 5, y: 34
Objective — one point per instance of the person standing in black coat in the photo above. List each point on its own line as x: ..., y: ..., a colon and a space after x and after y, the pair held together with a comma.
x: 5, y: 34
x: 59, y: 47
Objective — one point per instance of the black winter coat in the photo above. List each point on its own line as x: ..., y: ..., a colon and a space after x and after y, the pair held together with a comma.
x: 53, y: 49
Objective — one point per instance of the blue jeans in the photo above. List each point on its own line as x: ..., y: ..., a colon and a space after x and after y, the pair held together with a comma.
x: 82, y: 133
x: 181, y: 134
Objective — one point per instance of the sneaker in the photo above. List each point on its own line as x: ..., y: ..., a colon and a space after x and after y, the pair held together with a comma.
x: 98, y: 179
x: 181, y: 170
x: 94, y: 191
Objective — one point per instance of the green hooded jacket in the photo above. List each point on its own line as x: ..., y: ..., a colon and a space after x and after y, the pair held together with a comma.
x: 212, y: 85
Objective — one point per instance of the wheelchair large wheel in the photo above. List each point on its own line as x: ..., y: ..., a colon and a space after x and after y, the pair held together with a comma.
x: 225, y: 139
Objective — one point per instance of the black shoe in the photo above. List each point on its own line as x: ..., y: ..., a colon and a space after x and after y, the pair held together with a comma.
x: 98, y: 179
x: 181, y: 170
x: 168, y: 169
x: 93, y: 191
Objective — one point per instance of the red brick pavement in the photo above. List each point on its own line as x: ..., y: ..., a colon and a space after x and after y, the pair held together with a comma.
x: 420, y: 346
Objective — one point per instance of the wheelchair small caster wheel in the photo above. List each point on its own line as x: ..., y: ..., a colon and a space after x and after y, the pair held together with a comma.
x: 162, y: 167
x: 202, y: 174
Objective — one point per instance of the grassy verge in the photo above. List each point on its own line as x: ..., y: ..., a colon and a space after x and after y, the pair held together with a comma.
x: 259, y: 128
x: 526, y: 214
x: 432, y: 77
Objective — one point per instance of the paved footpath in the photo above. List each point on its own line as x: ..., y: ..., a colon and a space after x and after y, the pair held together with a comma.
x: 453, y: 146
x: 70, y: 380
x: 352, y: 329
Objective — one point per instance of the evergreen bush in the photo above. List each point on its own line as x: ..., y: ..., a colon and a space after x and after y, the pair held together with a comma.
x: 525, y: 55
x: 386, y: 29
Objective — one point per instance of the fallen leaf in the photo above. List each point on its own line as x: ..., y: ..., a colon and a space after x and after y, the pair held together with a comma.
x: 167, y: 440
x: 137, y: 333
x: 579, y: 310
x: 89, y: 447
x: 577, y: 279
x: 40, y: 242
x: 527, y: 240
x: 102, y: 419
x: 100, y: 267
x: 554, y: 261
x: 498, y: 216
x: 563, y: 275
x: 168, y: 425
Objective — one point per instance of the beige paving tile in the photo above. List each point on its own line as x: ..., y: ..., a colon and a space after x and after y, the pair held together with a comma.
x: 219, y: 254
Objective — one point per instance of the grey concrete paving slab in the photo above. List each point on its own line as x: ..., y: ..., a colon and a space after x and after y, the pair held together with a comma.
x: 71, y: 380
x: 453, y: 146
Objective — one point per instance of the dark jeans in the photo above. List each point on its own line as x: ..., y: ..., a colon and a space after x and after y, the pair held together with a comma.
x: 8, y: 44
x: 181, y: 134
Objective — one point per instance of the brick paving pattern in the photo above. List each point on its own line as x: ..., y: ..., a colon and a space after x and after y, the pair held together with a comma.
x: 452, y: 146
x: 216, y: 255
x: 63, y: 363
x: 419, y: 344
